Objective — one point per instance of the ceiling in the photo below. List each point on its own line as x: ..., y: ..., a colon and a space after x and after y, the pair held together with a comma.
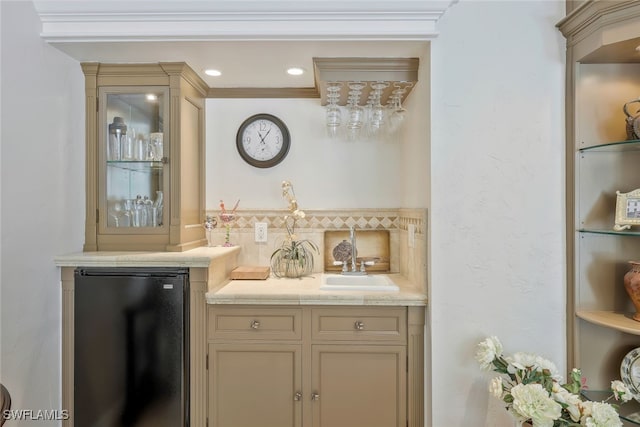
x: 261, y: 64
x: 252, y: 42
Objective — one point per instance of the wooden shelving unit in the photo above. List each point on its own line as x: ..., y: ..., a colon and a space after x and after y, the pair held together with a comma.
x: 602, y: 74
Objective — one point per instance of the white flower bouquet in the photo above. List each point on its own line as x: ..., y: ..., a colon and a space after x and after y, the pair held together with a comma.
x: 534, y: 392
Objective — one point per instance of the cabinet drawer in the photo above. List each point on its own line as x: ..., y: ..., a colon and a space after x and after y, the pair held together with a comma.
x: 254, y: 323
x: 359, y: 324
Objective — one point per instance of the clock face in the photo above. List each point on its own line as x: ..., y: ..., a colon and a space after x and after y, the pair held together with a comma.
x: 263, y: 140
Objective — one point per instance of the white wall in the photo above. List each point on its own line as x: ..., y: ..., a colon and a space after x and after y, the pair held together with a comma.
x: 42, y: 204
x: 326, y: 173
x: 497, y: 206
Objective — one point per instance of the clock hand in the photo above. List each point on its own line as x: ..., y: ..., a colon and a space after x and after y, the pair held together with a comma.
x: 261, y: 137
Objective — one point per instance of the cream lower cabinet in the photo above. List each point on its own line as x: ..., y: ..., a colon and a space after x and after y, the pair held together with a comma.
x: 315, y: 366
x: 358, y: 385
x: 255, y: 385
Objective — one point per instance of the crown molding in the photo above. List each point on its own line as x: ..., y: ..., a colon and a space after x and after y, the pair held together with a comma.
x: 276, y: 92
x: 601, y: 31
x: 101, y: 21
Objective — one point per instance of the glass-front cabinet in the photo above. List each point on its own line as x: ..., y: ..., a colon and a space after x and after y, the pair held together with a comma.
x: 135, y: 181
x: 145, y: 145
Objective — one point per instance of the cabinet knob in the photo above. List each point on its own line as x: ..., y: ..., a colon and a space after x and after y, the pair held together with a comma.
x: 255, y: 324
x: 359, y: 325
x: 297, y: 396
x: 315, y: 396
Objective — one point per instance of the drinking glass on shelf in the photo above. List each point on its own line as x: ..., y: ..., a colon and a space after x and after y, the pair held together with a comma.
x: 128, y: 143
x: 158, y: 203
x: 115, y: 214
x: 142, y: 148
x: 156, y: 146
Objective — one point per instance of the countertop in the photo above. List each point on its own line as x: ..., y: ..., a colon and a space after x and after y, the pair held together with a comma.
x: 198, y: 257
x: 306, y: 291
x: 281, y: 291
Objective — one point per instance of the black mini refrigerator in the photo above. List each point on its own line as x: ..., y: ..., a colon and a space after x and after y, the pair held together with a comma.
x: 131, y: 360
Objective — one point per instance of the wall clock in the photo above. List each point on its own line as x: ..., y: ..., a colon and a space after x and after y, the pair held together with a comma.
x: 263, y: 140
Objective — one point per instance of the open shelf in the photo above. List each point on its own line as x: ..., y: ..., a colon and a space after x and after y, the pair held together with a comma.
x: 611, y: 232
x: 622, y: 322
x: 630, y: 145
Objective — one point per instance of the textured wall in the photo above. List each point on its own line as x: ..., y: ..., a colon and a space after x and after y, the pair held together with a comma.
x: 497, y: 214
x: 42, y: 204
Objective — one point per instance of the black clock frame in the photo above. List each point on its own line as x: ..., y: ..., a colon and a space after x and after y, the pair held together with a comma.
x: 286, y: 141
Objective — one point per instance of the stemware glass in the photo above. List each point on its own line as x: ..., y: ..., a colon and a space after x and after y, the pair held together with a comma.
x: 377, y: 116
x: 209, y: 225
x: 227, y: 218
x: 355, y: 111
x: 333, y: 112
x: 398, y: 112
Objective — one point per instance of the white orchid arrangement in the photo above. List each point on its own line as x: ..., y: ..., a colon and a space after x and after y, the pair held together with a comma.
x: 533, y: 391
x: 296, y: 213
x: 295, y: 257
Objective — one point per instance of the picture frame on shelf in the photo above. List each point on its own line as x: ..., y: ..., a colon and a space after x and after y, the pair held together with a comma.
x: 627, y: 210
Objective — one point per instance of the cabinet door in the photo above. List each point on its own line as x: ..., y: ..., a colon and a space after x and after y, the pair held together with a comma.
x: 358, y: 386
x: 254, y: 385
x: 134, y: 177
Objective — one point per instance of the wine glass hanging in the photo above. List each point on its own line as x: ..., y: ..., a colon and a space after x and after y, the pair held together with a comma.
x: 333, y: 111
x: 376, y: 110
x: 396, y: 112
x: 355, y: 111
x: 370, y: 120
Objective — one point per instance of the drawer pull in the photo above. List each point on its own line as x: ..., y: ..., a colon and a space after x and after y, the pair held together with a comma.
x: 297, y: 396
x: 315, y: 396
x: 255, y: 324
x: 359, y: 325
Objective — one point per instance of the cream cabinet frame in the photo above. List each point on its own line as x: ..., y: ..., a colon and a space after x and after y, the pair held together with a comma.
x: 184, y: 198
x: 315, y: 366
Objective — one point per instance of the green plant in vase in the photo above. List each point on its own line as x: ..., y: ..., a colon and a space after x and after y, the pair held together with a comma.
x: 295, y: 258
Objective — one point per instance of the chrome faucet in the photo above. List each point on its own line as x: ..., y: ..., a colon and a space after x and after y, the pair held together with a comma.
x: 354, y: 251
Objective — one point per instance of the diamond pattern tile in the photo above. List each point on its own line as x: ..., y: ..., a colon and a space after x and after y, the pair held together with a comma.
x: 385, y: 219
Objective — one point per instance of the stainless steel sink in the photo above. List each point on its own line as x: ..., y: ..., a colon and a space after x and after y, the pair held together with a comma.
x: 373, y: 282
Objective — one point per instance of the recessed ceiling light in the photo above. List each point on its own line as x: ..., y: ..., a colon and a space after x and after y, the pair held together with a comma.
x: 295, y: 71
x: 212, y: 72
x: 638, y: 48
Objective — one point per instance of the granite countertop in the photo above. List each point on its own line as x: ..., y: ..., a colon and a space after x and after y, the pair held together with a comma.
x: 306, y: 291
x: 198, y: 257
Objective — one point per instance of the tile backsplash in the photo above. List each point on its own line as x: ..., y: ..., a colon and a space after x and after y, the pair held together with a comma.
x: 409, y: 261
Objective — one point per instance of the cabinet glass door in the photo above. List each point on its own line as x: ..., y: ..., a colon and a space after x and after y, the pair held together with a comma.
x: 133, y: 151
